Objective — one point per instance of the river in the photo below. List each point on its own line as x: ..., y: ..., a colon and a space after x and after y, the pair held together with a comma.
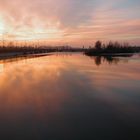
x: 70, y: 96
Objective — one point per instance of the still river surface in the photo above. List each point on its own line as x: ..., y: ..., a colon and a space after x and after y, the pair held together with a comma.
x: 70, y: 97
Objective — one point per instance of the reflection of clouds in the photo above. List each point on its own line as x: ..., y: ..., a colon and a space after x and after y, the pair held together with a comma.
x: 43, y: 85
x: 1, y: 68
x: 32, y: 86
x: 58, y: 95
x: 114, y: 84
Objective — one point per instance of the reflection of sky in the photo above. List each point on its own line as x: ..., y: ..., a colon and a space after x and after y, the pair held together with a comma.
x: 68, y: 96
x: 1, y: 68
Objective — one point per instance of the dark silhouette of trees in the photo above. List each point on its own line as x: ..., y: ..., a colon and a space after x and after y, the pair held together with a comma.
x: 13, y: 48
x: 112, y: 48
x: 98, y: 45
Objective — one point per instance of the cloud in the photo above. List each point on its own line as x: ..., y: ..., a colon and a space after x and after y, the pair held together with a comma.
x: 68, y: 12
x: 61, y: 19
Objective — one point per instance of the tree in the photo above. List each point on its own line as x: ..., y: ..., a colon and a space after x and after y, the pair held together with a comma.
x: 98, y: 45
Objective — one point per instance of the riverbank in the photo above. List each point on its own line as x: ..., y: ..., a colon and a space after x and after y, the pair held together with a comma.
x: 13, y: 55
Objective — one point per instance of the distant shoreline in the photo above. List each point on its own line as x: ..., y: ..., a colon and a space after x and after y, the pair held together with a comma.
x: 14, y: 55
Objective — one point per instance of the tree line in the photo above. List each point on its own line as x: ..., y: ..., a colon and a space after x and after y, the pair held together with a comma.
x: 111, y: 48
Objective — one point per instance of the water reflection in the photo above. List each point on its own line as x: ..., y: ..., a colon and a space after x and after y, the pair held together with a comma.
x: 67, y: 97
x: 99, y: 60
x: 1, y: 68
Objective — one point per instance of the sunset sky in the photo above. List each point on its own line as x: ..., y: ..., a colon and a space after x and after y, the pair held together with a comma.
x: 73, y: 22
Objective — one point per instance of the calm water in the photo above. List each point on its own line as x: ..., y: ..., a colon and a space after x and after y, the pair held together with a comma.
x: 70, y: 97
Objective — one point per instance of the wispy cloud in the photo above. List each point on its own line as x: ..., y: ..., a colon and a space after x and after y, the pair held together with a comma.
x: 71, y: 21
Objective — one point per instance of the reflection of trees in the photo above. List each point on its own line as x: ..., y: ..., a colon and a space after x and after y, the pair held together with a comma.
x: 109, y: 59
x: 98, y: 60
